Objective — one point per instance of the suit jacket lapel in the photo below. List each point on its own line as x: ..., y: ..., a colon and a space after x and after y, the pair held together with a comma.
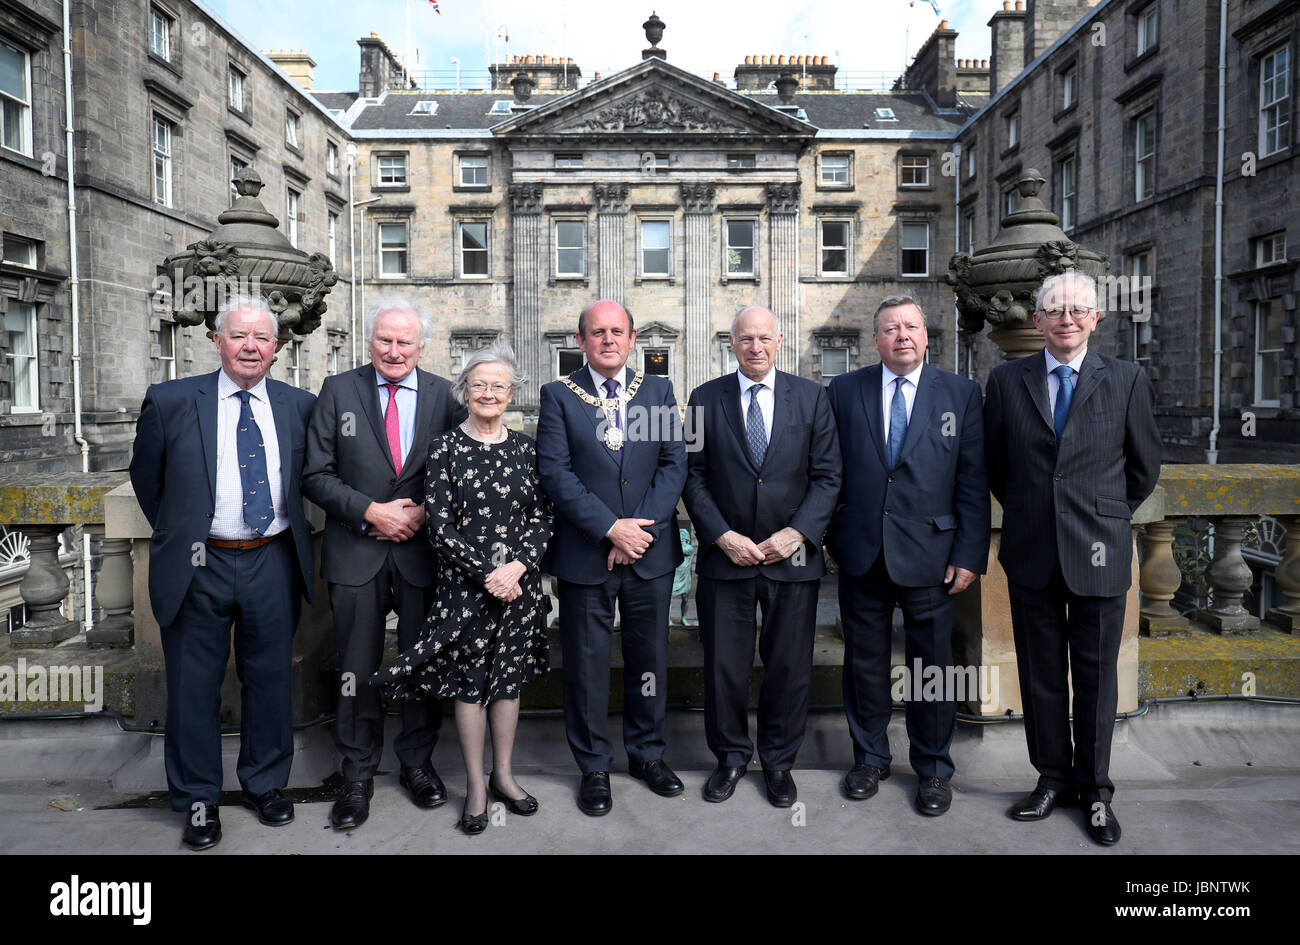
x: 283, y: 434
x: 1035, y: 377
x: 922, y: 410
x: 871, y: 405
x: 582, y: 377
x: 1092, y: 373
x: 205, y: 400
x: 781, y: 392
x: 368, y: 395
x: 733, y: 411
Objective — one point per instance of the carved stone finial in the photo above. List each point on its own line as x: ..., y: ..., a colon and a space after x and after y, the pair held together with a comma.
x: 522, y: 83
x: 654, y: 29
x: 1030, y: 182
x: 248, y: 183
x: 785, y: 86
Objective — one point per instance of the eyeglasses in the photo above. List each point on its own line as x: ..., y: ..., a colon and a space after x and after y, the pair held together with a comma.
x: 1078, y: 314
x: 479, y: 387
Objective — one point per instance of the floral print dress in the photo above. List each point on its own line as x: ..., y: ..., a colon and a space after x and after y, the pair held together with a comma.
x: 485, y: 507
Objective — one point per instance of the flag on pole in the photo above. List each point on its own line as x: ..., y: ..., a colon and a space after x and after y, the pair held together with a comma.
x: 932, y: 4
x: 434, y: 4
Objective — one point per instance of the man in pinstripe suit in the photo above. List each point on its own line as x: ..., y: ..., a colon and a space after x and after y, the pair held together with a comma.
x: 1073, y: 450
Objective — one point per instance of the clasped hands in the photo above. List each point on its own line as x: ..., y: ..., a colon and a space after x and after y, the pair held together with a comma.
x: 744, y: 553
x: 397, y: 520
x: 503, y: 582
x: 630, y: 540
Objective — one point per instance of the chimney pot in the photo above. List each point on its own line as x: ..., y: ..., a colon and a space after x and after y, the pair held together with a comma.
x: 1006, y: 4
x: 1020, y: 5
x: 943, y: 24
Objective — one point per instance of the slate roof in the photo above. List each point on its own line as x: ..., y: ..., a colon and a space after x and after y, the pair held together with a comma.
x: 472, y: 110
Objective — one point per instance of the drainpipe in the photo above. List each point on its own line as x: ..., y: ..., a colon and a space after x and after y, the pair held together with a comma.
x: 352, y: 240
x: 1212, y: 453
x: 75, y: 302
x: 956, y: 248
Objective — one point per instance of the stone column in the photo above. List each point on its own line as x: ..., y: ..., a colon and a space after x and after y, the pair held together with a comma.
x: 1160, y: 579
x: 1229, y: 577
x: 697, y: 201
x: 1287, y: 576
x: 44, y: 587
x: 783, y: 243
x: 113, y: 593
x: 526, y: 222
x: 611, y: 215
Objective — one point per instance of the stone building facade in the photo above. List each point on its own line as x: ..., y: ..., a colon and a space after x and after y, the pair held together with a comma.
x: 1115, y: 103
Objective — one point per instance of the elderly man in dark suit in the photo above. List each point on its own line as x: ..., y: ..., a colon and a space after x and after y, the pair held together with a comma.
x: 760, y: 493
x: 215, y: 467
x: 366, y: 453
x: 1073, y: 450
x: 611, y: 457
x: 912, y: 530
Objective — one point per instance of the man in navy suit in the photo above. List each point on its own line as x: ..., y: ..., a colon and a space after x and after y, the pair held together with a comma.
x: 1073, y: 450
x: 611, y: 457
x: 912, y: 530
x: 760, y: 493
x: 215, y: 468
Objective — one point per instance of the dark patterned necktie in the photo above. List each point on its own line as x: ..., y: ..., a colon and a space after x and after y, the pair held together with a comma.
x: 611, y: 391
x: 897, y: 422
x: 259, y: 510
x: 1063, y: 397
x: 755, y: 429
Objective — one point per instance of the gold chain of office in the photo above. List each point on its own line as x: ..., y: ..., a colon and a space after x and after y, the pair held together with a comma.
x: 608, y: 405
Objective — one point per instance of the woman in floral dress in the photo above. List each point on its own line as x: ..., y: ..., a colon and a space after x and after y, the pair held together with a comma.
x: 489, y: 521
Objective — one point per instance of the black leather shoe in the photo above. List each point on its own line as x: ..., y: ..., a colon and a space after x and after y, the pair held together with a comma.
x: 594, y: 796
x: 352, y: 806
x: 1040, y: 804
x: 780, y: 788
x: 426, y: 787
x: 933, y: 796
x: 472, y: 824
x: 525, y: 806
x: 273, y: 808
x: 863, y: 781
x: 1103, y: 827
x: 658, y: 776
x: 722, y: 783
x: 202, y: 828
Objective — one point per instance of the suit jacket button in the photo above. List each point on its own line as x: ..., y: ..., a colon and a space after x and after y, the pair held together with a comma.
x: 1057, y: 478
x: 760, y: 482
x: 886, y: 511
x: 624, y: 482
x: 891, y: 478
x: 392, y: 482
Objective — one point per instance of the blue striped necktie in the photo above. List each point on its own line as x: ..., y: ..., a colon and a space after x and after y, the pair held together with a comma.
x: 259, y: 510
x: 897, y: 422
x: 1063, y: 397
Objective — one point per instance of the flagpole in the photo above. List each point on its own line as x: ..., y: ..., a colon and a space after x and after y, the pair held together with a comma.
x: 408, y: 43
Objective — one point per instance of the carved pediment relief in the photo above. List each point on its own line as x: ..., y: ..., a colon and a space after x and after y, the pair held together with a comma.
x: 656, y: 111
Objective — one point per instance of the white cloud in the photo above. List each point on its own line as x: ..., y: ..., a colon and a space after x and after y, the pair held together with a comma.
x: 704, y: 36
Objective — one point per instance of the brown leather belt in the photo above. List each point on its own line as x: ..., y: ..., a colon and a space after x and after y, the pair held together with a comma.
x: 243, y: 544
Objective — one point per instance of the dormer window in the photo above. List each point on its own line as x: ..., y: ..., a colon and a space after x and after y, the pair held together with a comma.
x: 425, y: 108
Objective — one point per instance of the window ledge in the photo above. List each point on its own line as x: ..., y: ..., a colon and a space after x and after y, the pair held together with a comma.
x: 391, y: 188
x: 165, y: 63
x: 239, y: 113
x: 471, y: 188
x: 1139, y: 60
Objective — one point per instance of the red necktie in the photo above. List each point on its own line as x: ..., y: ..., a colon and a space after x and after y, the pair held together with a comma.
x: 393, y: 429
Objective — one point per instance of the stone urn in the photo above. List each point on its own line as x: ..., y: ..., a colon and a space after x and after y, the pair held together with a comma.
x: 247, y: 255
x: 996, y: 284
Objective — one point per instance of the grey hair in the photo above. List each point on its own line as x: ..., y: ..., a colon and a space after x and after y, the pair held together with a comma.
x: 245, y: 303
x: 1055, y: 286
x: 893, y: 301
x: 396, y: 303
x: 500, y: 353
x: 752, y: 308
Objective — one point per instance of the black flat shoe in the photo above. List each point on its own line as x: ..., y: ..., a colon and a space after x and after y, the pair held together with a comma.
x: 658, y: 776
x: 933, y: 796
x: 525, y: 806
x: 863, y: 781
x: 206, y: 832
x: 1040, y: 804
x: 722, y: 784
x: 352, y: 806
x: 594, y: 796
x: 425, y: 787
x: 1103, y: 827
x: 474, y: 824
x: 273, y: 808
x: 781, y: 791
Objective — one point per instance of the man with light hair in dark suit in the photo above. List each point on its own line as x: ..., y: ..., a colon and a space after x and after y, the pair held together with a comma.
x: 1073, y: 450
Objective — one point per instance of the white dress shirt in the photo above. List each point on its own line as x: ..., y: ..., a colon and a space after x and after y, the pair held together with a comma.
x: 228, y: 516
x: 599, y: 380
x: 408, y: 394
x: 766, y: 398
x: 887, y: 388
x: 1054, y: 382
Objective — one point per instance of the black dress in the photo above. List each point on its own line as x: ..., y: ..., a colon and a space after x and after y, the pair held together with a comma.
x: 485, y: 507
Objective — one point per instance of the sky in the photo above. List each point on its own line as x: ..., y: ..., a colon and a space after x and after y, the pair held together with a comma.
x: 703, y: 36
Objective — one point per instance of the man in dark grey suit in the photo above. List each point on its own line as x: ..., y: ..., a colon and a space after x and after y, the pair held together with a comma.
x: 366, y: 452
x: 1073, y: 450
x: 760, y: 493
x: 912, y: 531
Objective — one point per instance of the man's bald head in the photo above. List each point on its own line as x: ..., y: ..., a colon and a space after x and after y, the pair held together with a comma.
x: 603, y: 306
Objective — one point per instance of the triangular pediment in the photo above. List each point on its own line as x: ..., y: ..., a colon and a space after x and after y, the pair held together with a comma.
x: 655, y: 100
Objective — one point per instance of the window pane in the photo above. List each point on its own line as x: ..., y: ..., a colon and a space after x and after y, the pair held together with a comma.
x: 473, y: 235
x: 473, y: 171
x: 656, y: 361
x: 473, y: 245
x: 11, y: 120
x: 740, y: 247
x: 656, y: 262
x: 835, y: 257
x: 570, y: 361
x: 835, y: 169
x: 569, y: 235
x: 915, y: 243
x: 834, y: 361
x: 13, y: 72
x: 654, y: 247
